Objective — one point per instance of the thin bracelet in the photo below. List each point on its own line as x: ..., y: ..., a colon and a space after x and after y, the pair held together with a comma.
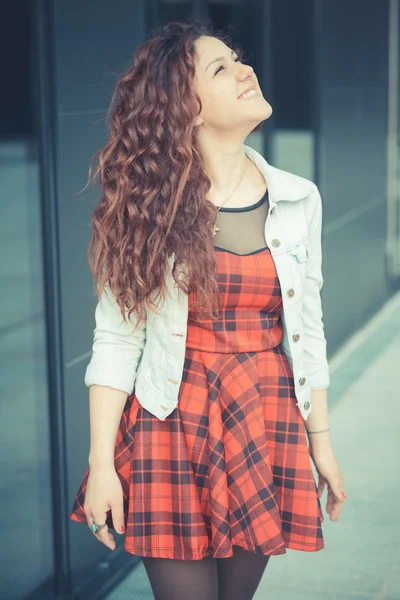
x: 321, y: 431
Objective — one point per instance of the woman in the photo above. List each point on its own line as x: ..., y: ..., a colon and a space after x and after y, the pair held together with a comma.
x: 201, y: 428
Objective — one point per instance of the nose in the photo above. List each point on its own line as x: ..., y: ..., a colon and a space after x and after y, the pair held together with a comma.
x: 245, y: 70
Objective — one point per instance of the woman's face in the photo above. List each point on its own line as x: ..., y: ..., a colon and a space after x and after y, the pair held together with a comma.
x: 219, y: 85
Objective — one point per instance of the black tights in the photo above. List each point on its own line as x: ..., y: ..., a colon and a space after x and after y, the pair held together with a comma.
x: 233, y: 578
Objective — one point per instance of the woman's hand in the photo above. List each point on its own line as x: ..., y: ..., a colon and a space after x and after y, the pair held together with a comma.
x: 329, y: 474
x: 104, y: 492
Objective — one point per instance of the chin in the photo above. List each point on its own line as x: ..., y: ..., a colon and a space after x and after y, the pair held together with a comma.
x: 269, y: 108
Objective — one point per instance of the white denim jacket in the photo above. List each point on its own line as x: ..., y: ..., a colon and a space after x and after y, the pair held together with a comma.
x: 150, y: 361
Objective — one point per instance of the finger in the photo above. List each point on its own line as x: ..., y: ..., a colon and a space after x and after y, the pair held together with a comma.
x: 338, y: 494
x: 117, y: 515
x: 336, y: 511
x: 330, y: 503
x: 104, y: 536
x: 335, y: 506
x: 107, y: 538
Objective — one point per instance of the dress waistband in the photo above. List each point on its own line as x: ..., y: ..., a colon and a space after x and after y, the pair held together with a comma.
x: 244, y: 331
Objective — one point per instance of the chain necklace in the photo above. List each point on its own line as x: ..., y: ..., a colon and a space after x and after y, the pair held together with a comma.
x: 215, y: 228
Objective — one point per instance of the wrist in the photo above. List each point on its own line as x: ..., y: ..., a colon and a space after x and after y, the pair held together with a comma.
x: 96, y: 462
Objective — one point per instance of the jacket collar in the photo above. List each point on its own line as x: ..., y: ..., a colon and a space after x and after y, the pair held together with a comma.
x: 282, y: 185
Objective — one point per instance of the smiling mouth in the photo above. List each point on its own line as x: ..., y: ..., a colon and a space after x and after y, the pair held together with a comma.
x: 249, y: 94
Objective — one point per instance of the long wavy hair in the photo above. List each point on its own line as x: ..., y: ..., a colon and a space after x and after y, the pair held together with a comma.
x: 154, y: 186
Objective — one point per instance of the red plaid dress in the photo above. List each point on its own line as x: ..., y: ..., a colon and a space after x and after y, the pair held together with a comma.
x: 230, y: 466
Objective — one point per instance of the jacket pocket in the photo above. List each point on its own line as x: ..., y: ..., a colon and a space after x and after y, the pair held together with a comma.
x: 300, y: 257
x: 300, y: 253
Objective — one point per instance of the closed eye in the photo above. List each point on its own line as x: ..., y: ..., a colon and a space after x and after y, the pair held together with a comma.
x: 221, y: 67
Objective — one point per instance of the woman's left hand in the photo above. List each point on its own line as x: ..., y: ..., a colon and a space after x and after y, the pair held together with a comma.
x: 329, y: 474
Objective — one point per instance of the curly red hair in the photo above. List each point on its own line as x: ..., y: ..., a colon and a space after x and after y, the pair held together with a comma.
x: 153, y: 182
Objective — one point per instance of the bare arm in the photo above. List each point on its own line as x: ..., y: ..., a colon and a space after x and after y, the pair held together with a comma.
x: 106, y: 406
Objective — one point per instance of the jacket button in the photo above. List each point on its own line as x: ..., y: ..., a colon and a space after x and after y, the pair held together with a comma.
x: 180, y: 334
x: 173, y: 381
x: 275, y: 243
x: 290, y: 292
x: 296, y: 337
x: 302, y: 380
x: 306, y: 405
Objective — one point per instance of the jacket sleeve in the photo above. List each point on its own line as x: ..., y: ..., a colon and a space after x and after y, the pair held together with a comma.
x: 116, y: 350
x: 314, y: 337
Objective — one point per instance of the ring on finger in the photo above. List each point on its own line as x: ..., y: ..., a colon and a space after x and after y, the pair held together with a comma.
x: 96, y: 527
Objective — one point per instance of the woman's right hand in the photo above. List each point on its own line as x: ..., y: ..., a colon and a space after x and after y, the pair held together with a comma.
x: 104, y: 493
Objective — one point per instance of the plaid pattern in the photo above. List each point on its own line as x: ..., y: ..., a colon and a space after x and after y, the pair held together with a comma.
x: 230, y: 466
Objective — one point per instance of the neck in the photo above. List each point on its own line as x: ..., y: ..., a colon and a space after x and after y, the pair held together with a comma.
x: 224, y: 166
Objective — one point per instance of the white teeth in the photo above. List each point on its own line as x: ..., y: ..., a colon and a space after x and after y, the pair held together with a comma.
x: 248, y: 94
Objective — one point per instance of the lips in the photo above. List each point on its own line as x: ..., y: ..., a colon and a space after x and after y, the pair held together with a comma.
x: 251, y: 87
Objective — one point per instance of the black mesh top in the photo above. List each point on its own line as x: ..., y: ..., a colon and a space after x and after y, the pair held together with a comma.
x: 242, y: 229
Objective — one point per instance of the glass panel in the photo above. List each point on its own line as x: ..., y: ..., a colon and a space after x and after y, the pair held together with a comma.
x: 292, y: 69
x: 26, y: 554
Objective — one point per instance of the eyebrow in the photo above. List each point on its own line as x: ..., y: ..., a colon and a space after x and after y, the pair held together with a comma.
x: 219, y: 58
